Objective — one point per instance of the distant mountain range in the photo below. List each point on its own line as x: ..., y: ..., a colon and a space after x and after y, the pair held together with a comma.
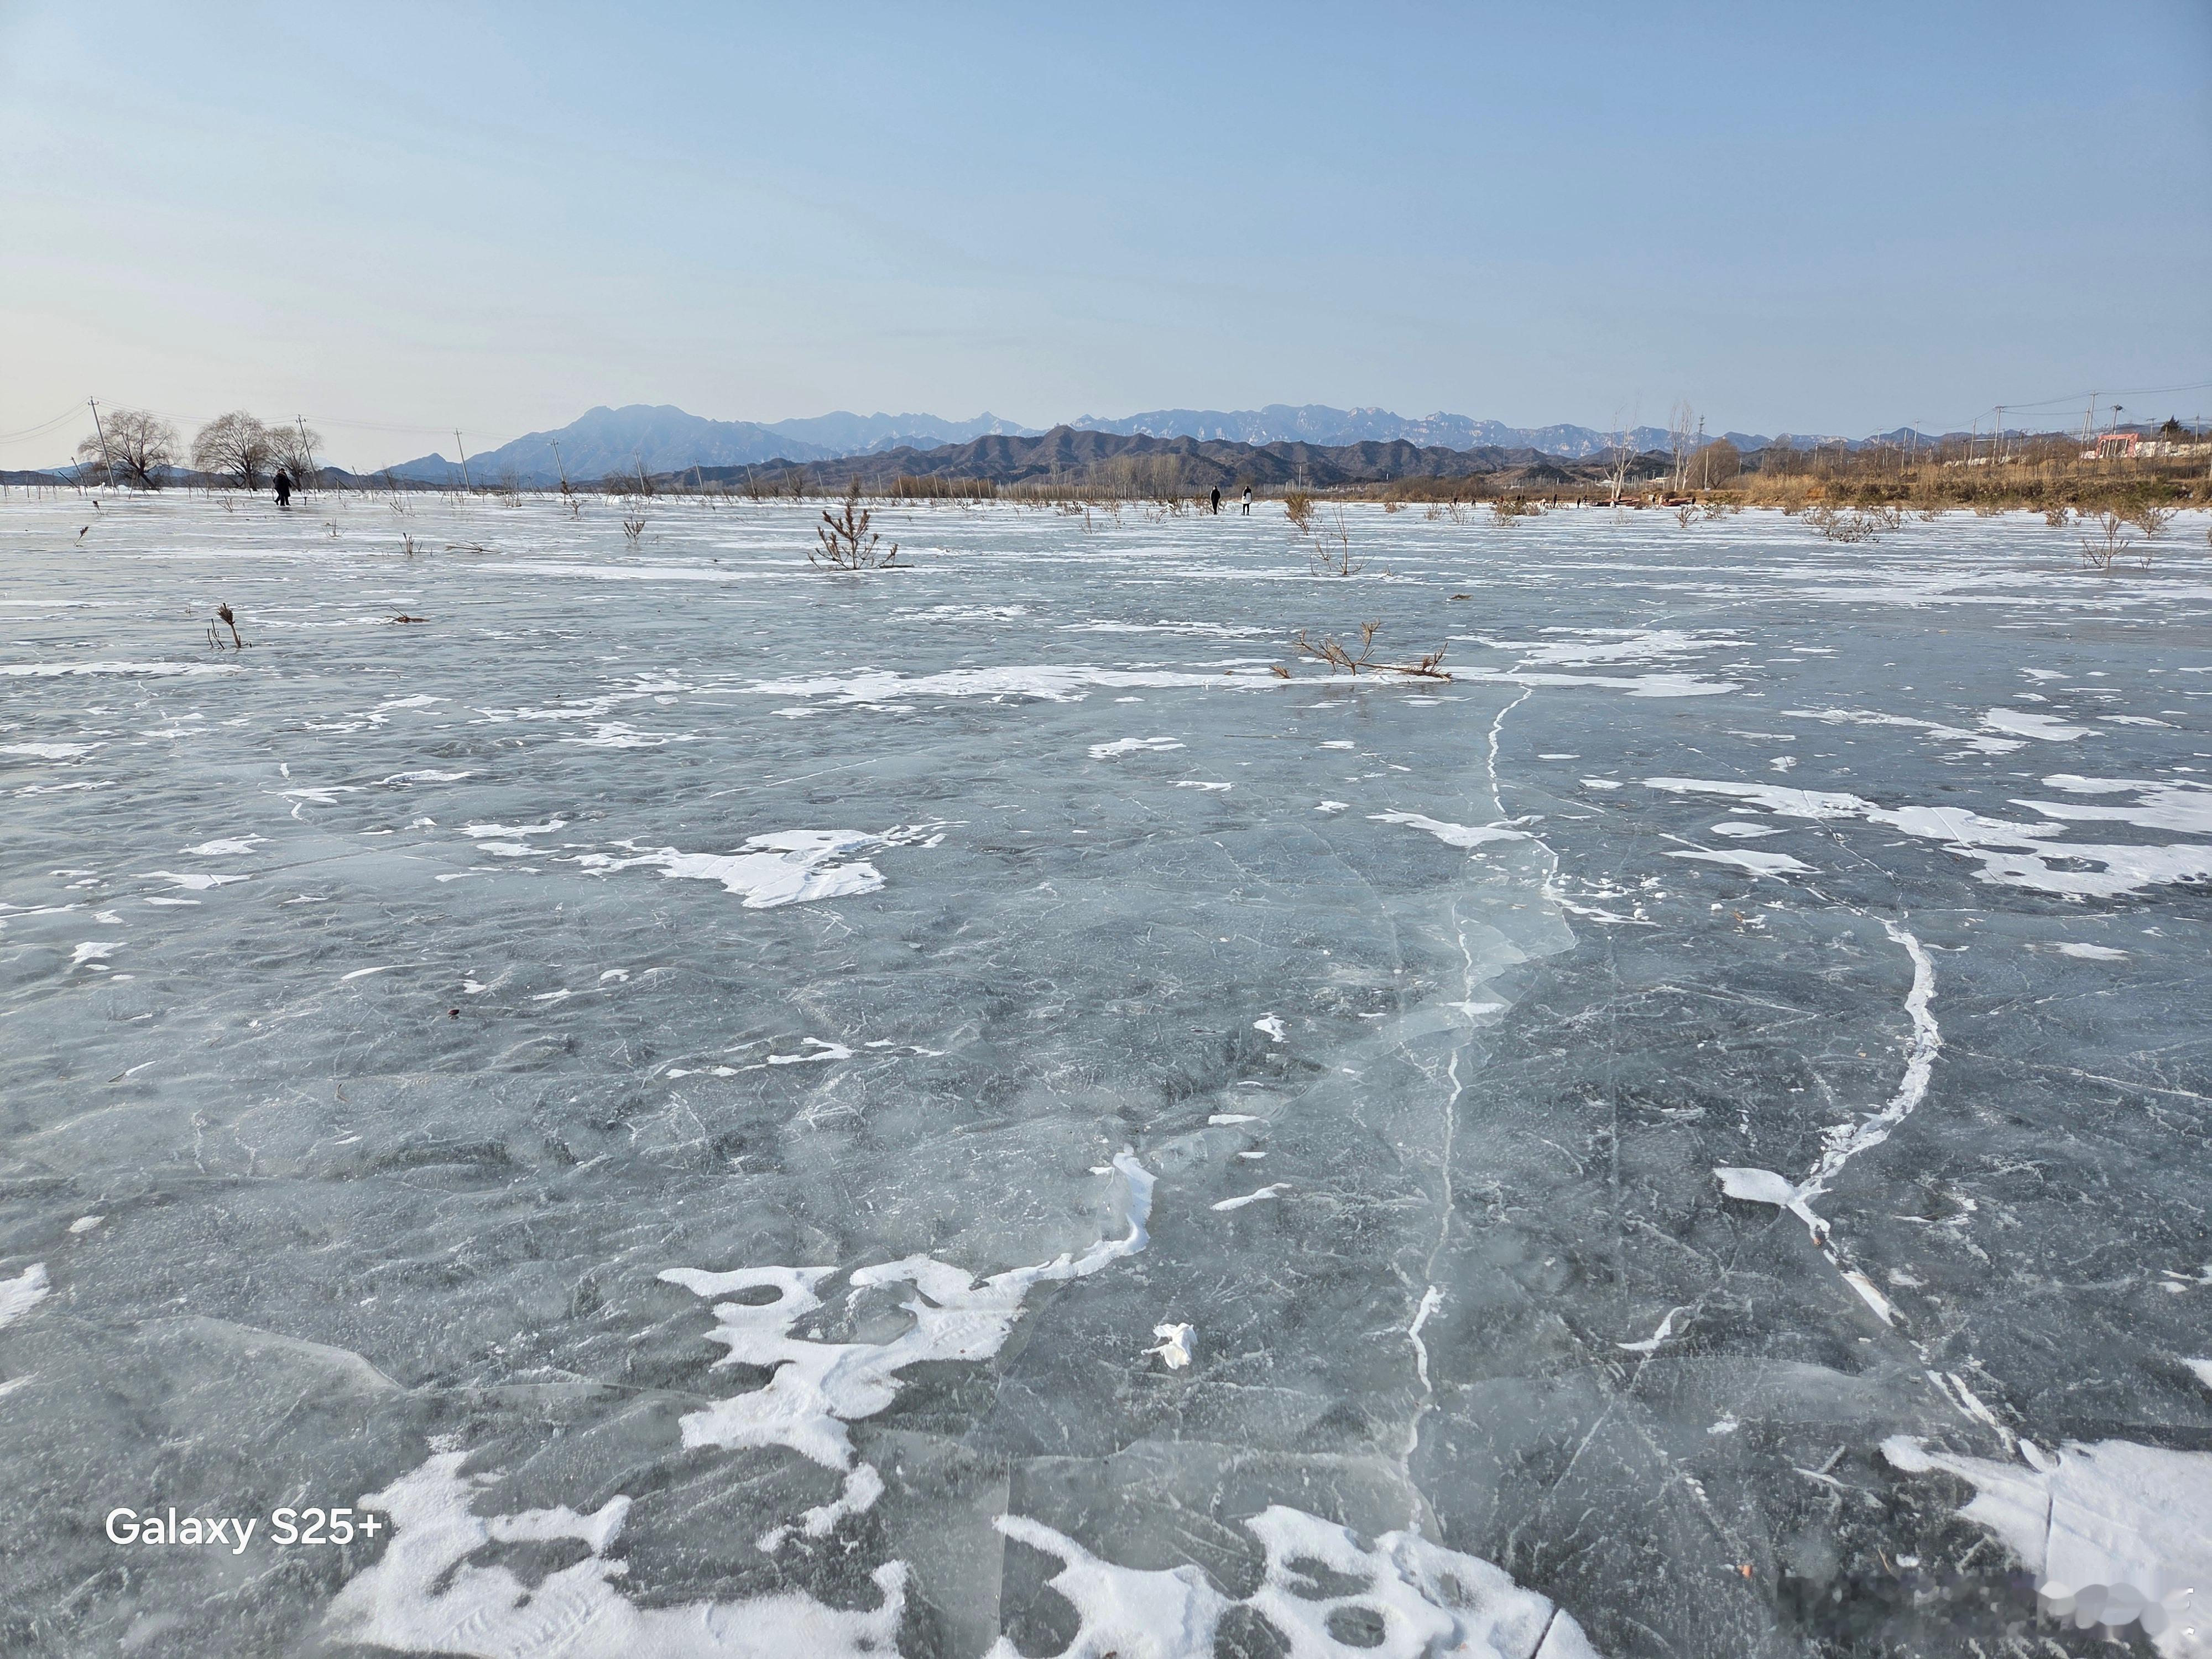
x: 662, y: 438
x: 1141, y: 464
x: 1317, y: 424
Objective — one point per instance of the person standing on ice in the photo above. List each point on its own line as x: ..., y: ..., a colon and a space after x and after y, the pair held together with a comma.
x: 284, y: 488
x: 1248, y: 502
x: 1217, y: 501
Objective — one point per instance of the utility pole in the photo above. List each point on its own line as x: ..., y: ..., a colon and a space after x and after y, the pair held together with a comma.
x: 306, y: 448
x: 1996, y: 441
x: 562, y: 465
x: 643, y: 488
x: 2089, y: 420
x: 466, y: 487
x: 106, y: 460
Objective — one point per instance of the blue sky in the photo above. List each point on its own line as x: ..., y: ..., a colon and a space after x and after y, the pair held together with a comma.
x: 403, y: 221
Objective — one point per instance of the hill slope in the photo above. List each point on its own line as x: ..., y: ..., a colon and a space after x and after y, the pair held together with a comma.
x: 1141, y: 464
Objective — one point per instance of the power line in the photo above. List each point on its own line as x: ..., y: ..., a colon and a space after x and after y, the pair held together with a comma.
x: 68, y: 414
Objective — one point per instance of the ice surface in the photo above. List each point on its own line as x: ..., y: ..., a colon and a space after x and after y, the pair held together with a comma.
x: 956, y: 1113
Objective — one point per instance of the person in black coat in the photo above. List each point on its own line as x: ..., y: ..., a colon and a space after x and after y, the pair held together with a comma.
x: 284, y: 488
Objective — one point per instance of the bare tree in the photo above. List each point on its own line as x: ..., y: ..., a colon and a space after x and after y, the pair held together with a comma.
x: 234, y: 445
x: 1682, y: 440
x: 1718, y: 464
x: 139, y: 442
x: 292, y: 447
x: 1622, y: 459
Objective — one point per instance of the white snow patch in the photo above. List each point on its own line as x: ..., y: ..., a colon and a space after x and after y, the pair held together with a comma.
x: 1430, y: 1600
x: 1274, y: 1028
x: 1452, y: 834
x: 817, y: 1388
x: 2114, y: 1531
x: 49, y: 750
x: 1131, y: 746
x: 2011, y: 854
x: 822, y: 1050
x: 1759, y: 864
x: 1737, y: 830
x: 146, y: 670
x: 227, y: 846
x: 791, y: 866
x: 1585, y: 648
x: 2183, y: 807
x: 19, y: 1295
x: 427, y: 1593
x: 2024, y: 723
x: 1048, y: 684
x: 1982, y: 742
x: 2090, y: 952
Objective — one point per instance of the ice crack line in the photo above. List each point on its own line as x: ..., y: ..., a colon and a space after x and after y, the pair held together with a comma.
x: 1845, y: 1141
x: 1432, y: 1295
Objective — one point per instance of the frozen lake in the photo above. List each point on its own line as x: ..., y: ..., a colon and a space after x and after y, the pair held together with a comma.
x: 747, y: 1112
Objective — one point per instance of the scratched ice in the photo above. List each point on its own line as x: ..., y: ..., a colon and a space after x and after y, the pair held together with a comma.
x: 959, y: 1112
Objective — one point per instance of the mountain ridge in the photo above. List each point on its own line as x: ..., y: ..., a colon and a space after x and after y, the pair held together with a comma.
x: 660, y: 439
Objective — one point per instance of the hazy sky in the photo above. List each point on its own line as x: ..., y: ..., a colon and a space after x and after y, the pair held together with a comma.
x: 397, y: 221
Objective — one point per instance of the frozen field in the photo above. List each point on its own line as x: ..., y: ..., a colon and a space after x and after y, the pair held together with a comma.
x: 745, y: 1112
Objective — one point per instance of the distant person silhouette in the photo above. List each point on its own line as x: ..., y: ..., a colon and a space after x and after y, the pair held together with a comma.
x: 1217, y: 498
x: 284, y: 488
x: 1248, y: 502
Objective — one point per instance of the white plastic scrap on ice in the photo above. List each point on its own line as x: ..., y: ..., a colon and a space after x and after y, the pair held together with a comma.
x: 1175, y: 1345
